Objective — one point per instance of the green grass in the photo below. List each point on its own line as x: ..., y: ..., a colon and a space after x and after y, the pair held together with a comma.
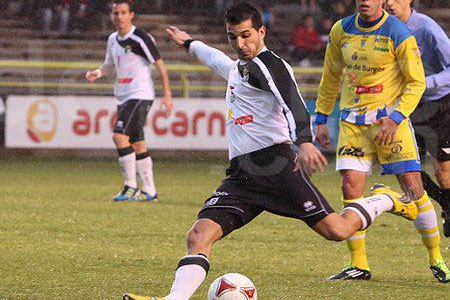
x: 63, y: 238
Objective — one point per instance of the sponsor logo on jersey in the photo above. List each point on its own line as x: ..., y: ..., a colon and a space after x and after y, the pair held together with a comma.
x: 363, y: 43
x: 127, y: 48
x: 399, y: 157
x: 380, y: 49
x: 369, y: 89
x: 355, y: 56
x: 243, y: 120
x: 42, y: 121
x: 119, y: 124
x: 125, y: 80
x: 232, y: 94
x: 350, y: 150
x: 379, y: 39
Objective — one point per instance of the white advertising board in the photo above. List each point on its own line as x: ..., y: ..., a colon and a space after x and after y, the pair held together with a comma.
x: 72, y: 122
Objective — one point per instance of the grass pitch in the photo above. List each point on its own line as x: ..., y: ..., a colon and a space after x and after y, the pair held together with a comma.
x: 63, y: 238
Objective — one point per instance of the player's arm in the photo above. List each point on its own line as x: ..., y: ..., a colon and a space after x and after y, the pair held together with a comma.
x: 212, y: 57
x: 167, y: 98
x: 441, y: 48
x: 329, y: 84
x: 104, y: 71
x: 410, y: 63
x: 332, y: 75
x: 107, y: 68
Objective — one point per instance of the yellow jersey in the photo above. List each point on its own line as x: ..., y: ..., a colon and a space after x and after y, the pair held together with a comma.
x: 381, y: 67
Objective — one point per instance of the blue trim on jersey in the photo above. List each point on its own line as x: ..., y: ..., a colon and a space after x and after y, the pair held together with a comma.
x: 401, y: 167
x: 344, y: 114
x: 360, y: 119
x: 392, y: 28
x: 321, y: 119
x: 381, y: 113
x: 397, y: 117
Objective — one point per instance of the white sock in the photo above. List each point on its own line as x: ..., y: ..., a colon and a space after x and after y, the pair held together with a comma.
x: 128, y: 167
x: 368, y: 209
x: 144, y: 168
x: 190, y: 274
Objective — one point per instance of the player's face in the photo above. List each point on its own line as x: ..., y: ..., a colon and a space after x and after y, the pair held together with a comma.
x: 245, y: 39
x: 399, y: 8
x: 370, y: 10
x: 121, y: 16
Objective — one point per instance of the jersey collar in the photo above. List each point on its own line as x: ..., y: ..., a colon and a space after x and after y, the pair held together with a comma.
x: 372, y: 26
x: 126, y: 36
x: 413, y: 18
x: 243, y: 62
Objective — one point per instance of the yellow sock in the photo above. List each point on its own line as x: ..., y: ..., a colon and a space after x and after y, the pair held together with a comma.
x: 427, y: 225
x: 357, y: 246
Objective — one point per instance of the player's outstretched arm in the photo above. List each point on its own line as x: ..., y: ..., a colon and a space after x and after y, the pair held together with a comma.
x: 178, y: 36
x: 167, y: 98
x: 104, y: 70
x: 212, y: 57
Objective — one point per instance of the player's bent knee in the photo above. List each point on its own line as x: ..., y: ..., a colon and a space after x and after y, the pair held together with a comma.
x: 332, y: 228
x: 203, y: 234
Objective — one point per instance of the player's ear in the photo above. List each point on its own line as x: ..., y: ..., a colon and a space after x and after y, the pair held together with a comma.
x: 262, y: 31
x: 132, y: 14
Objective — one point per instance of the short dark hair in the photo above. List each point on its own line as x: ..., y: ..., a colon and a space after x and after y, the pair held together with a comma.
x: 131, y: 4
x: 240, y: 12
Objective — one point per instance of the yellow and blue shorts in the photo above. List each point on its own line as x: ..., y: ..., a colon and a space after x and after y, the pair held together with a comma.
x: 357, y: 149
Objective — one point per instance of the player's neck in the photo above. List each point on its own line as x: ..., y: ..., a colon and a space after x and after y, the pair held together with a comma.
x: 405, y: 17
x: 370, y: 19
x: 124, y: 31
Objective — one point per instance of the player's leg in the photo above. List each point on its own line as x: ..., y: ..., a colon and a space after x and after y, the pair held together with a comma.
x: 144, y: 163
x: 127, y: 156
x: 354, y: 159
x: 402, y: 159
x: 222, y: 213
x: 353, y: 183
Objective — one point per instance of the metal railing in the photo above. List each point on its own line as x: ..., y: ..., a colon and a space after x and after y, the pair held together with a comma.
x: 183, y: 70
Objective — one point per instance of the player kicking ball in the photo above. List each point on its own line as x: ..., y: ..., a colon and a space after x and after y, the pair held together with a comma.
x: 266, y: 114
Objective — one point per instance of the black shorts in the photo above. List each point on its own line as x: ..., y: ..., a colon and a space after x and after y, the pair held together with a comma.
x: 131, y: 118
x: 431, y: 122
x: 264, y: 181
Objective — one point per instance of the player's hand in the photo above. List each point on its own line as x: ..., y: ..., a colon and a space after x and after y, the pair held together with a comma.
x: 166, y: 104
x: 387, y: 131
x: 323, y: 136
x: 311, y: 158
x: 177, y: 35
x: 93, y: 75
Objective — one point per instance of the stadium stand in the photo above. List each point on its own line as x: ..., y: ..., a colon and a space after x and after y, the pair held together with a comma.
x: 22, y: 42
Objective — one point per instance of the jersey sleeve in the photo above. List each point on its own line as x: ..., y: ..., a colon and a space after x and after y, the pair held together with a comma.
x: 109, y: 60
x: 148, y: 45
x: 441, y: 48
x: 332, y: 72
x: 410, y: 63
x: 279, y: 77
x: 218, y: 61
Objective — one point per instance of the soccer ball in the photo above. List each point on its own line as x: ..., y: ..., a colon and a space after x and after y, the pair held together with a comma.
x: 232, y: 286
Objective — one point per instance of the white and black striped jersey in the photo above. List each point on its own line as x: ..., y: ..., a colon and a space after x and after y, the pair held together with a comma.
x: 263, y: 101
x: 132, y: 56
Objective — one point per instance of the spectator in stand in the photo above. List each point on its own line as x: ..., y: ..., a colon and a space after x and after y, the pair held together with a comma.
x: 339, y: 11
x: 88, y: 14
x: 50, y: 8
x: 309, y: 5
x: 305, y: 41
x: 324, y: 29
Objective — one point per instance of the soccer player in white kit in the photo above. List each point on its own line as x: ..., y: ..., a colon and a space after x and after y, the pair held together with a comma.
x: 130, y: 53
x: 266, y: 114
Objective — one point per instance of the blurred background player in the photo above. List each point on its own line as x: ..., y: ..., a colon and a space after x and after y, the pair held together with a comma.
x: 431, y: 119
x: 266, y: 114
x: 382, y: 85
x: 130, y: 53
